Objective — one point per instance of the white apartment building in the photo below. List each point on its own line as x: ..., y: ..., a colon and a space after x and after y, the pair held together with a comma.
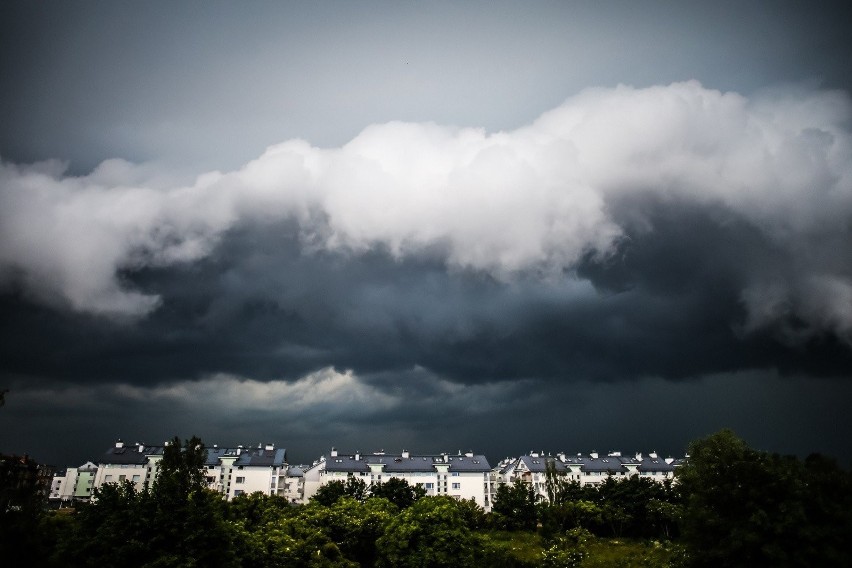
x: 229, y: 471
x: 73, y: 484
x: 463, y: 476
x: 238, y: 471
x: 234, y: 471
x: 585, y: 469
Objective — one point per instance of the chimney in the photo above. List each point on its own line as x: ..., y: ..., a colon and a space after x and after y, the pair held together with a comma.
x: 669, y: 459
x: 269, y: 447
x: 638, y: 456
x: 333, y: 452
x: 119, y: 443
x: 594, y: 455
x: 469, y: 454
x: 141, y: 448
x: 446, y: 458
x: 653, y: 455
x: 405, y: 454
x: 357, y: 455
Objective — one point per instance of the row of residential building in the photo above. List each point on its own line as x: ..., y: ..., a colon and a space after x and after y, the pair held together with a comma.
x: 241, y: 470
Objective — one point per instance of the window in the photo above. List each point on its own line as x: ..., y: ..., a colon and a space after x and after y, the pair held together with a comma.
x: 108, y: 478
x: 136, y: 478
x: 122, y: 477
x: 455, y: 474
x: 238, y: 492
x: 241, y: 480
x: 430, y: 486
x: 456, y: 485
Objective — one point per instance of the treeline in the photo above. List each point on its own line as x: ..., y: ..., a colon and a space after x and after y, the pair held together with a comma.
x: 730, y: 506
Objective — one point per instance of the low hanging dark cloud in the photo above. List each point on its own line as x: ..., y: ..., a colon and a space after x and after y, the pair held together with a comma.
x: 629, y: 236
x: 667, y: 304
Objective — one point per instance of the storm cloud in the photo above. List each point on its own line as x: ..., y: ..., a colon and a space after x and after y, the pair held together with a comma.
x: 535, y: 200
x: 539, y: 231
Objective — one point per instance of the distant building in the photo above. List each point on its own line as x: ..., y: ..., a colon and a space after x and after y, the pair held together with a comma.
x: 229, y: 471
x: 585, y: 469
x: 462, y: 476
x: 234, y: 471
x: 73, y: 484
x: 23, y: 482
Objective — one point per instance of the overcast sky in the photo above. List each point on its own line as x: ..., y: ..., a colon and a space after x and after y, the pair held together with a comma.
x: 488, y: 226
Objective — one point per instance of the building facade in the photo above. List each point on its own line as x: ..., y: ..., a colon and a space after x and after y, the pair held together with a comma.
x: 585, y: 469
x: 229, y: 471
x: 235, y: 471
x: 73, y: 484
x: 462, y: 476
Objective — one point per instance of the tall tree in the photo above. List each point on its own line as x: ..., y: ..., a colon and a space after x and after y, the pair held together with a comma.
x: 187, y: 517
x: 514, y: 506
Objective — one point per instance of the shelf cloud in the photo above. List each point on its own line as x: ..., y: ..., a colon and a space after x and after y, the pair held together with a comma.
x: 535, y: 202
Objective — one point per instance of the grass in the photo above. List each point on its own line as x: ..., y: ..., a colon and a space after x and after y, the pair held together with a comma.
x: 628, y: 553
x: 601, y: 552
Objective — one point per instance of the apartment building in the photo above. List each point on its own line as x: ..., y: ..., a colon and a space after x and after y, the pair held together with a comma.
x: 233, y: 471
x: 586, y: 469
x: 229, y: 471
x: 73, y: 484
x: 462, y: 476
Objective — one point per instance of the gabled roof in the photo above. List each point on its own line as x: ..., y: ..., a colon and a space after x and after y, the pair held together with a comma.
x: 656, y: 464
x: 130, y: 455
x: 262, y: 458
x: 537, y: 464
x: 396, y: 463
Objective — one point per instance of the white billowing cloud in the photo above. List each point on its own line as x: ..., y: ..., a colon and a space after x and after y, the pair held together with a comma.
x: 531, y: 200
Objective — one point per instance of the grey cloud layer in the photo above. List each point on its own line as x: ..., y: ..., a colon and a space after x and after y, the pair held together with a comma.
x: 570, y: 190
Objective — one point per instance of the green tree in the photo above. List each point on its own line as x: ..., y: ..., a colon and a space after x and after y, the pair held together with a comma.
x: 398, y: 492
x: 329, y: 493
x: 354, y: 526
x: 256, y: 509
x: 557, y: 519
x: 749, y: 508
x: 188, y: 517
x: 176, y: 522
x: 625, y: 503
x: 289, y: 543
x: 515, y: 506
x: 116, y: 524
x: 432, y: 533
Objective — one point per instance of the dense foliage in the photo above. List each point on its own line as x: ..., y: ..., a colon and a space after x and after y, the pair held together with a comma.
x: 749, y: 508
x: 730, y: 506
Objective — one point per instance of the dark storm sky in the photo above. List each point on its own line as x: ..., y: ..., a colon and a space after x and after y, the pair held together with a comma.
x: 559, y: 226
